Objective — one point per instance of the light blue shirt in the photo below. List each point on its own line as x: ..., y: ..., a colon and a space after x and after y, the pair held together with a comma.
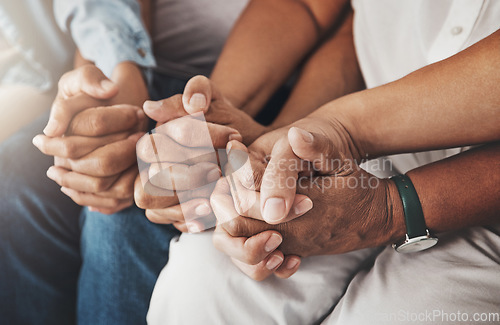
x: 42, y: 51
x: 106, y: 32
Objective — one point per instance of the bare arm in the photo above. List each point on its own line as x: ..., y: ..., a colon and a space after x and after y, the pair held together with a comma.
x: 252, y: 66
x: 454, y: 102
x: 331, y: 72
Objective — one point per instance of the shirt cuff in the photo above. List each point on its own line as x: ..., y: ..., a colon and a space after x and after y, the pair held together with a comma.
x: 109, y: 32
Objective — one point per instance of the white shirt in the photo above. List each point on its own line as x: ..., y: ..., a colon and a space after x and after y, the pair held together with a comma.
x: 394, y: 38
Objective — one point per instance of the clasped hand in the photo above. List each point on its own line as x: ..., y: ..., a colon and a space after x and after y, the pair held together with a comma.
x: 312, y: 198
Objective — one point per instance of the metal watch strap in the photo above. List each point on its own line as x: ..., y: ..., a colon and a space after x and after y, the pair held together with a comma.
x: 414, y: 216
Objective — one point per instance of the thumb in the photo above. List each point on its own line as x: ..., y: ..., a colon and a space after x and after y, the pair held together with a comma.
x: 315, y: 148
x: 87, y: 79
x: 198, y: 94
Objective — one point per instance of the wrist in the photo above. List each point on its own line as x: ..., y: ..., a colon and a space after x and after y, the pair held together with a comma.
x: 395, y: 214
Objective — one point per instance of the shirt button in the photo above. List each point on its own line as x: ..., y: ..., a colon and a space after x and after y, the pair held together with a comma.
x: 141, y: 52
x: 456, y: 30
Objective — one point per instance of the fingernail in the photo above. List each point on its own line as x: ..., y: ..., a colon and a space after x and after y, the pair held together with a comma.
x: 228, y: 147
x: 303, y: 206
x: 213, y: 175
x: 107, y: 85
x: 198, y: 102
x: 202, y: 210
x: 37, y: 141
x: 51, y: 173
x: 235, y: 136
x: 292, y: 263
x: 194, y: 227
x: 92, y: 209
x: 274, y: 262
x: 274, y: 209
x: 51, y: 128
x: 65, y: 190
x: 273, y: 242
x: 152, y: 105
x: 306, y: 136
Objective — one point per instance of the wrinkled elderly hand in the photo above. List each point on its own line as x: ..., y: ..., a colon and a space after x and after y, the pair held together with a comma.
x: 352, y: 209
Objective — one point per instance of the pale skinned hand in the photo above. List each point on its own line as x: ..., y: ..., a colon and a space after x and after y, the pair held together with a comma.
x: 95, y: 157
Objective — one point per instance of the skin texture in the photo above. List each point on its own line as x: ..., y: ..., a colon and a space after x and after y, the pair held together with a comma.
x: 92, y: 131
x: 397, y: 118
x: 227, y: 104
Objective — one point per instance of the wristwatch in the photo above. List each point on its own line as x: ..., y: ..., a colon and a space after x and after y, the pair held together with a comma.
x: 418, y: 237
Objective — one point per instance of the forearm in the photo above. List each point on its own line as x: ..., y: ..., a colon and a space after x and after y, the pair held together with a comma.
x: 461, y: 191
x: 451, y: 103
x: 331, y: 72
x: 251, y: 67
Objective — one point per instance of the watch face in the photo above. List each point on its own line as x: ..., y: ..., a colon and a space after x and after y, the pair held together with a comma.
x: 417, y: 244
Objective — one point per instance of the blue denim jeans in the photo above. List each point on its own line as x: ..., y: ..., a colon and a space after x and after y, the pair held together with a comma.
x: 61, y: 264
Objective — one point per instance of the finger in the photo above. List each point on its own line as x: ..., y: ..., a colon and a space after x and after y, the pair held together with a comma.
x: 262, y: 270
x: 64, y: 109
x: 144, y: 198
x: 87, y: 79
x: 279, y: 183
x: 181, y: 226
x: 289, y: 266
x: 315, y: 148
x: 198, y: 94
x: 161, y: 148
x: 193, y: 131
x: 105, y: 161
x: 80, y: 182
x: 113, y: 210
x: 123, y: 187
x: 99, y: 121
x: 165, y: 110
x: 194, y: 209
x: 74, y: 147
x: 251, y: 250
x: 89, y: 199
x: 183, y: 177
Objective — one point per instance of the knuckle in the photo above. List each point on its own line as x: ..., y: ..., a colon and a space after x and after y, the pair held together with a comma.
x: 69, y: 149
x: 242, y: 204
x: 64, y: 79
x: 154, y: 218
x: 234, y: 227
x: 252, y: 257
x: 96, y: 124
x: 105, y: 165
x: 142, y: 200
x: 64, y: 181
x: 182, y: 131
x: 123, y: 190
x: 100, y: 185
